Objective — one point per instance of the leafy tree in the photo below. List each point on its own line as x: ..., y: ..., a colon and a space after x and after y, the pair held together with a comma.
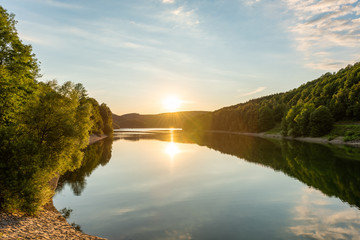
x: 106, y: 116
x: 98, y: 124
x: 47, y: 140
x: 43, y: 126
x: 266, y: 119
x: 321, y: 121
x: 18, y: 70
x: 302, y: 119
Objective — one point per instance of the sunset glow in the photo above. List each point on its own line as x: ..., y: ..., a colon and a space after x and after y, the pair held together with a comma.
x: 172, y: 103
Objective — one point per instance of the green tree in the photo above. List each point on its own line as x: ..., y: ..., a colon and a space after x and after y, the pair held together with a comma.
x: 18, y: 70
x: 47, y: 140
x: 266, y: 119
x: 302, y: 119
x: 96, y: 119
x: 321, y: 121
x: 106, y: 116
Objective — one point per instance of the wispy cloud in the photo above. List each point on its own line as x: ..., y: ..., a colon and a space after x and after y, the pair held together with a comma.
x: 168, y: 1
x: 185, y: 17
x: 251, y: 2
x: 60, y: 4
x: 325, y: 30
x: 316, y: 219
x: 259, y: 89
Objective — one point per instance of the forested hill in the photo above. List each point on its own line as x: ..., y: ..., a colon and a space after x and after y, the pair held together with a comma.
x: 308, y: 110
x: 163, y: 120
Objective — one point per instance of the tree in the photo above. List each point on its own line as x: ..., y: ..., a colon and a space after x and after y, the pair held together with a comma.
x: 96, y: 119
x: 47, y: 140
x: 106, y: 116
x: 266, y: 119
x: 18, y: 70
x: 321, y: 121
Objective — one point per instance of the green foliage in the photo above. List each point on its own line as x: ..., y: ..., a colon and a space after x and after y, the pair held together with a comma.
x: 338, y: 92
x: 98, y: 124
x: 43, y: 126
x: 18, y: 70
x: 352, y: 136
x: 106, y: 116
x: 45, y: 141
x: 321, y: 121
x: 266, y: 118
x: 94, y: 155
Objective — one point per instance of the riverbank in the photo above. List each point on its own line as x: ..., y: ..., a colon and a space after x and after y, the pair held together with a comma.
x: 48, y: 224
x: 337, y: 140
x: 95, y: 138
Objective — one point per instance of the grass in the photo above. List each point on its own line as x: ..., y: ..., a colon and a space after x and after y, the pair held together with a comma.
x: 350, y: 131
x: 275, y: 130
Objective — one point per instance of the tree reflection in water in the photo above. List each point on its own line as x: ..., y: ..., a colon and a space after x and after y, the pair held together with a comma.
x: 334, y: 170
x: 94, y: 155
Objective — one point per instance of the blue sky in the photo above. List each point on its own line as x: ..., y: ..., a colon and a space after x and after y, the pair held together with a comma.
x: 210, y: 53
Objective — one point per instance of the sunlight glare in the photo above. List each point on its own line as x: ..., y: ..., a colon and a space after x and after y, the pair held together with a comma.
x: 172, y: 103
x: 172, y: 150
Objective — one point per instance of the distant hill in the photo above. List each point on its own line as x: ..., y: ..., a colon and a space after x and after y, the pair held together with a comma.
x: 163, y: 120
x: 308, y: 110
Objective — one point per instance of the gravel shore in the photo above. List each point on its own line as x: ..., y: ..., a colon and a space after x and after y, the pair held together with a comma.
x: 48, y: 224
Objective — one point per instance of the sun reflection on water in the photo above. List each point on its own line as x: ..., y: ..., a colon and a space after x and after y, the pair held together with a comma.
x: 172, y: 148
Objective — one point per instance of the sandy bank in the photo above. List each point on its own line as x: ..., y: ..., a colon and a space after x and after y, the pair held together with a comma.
x: 338, y: 140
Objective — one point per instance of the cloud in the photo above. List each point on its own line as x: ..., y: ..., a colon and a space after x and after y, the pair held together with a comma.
x: 185, y: 17
x: 251, y: 2
x: 168, y: 1
x: 324, y: 30
x: 60, y: 4
x: 259, y: 89
x: 316, y: 218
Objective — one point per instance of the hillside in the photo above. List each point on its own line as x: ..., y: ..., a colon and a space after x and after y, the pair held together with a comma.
x: 309, y: 110
x: 163, y: 120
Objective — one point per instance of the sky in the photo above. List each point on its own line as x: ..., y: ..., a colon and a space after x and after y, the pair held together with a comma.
x: 208, y: 53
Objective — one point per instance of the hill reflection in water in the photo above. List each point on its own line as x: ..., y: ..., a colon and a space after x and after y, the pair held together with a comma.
x: 333, y: 170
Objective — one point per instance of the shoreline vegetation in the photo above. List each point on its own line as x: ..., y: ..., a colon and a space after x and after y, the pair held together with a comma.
x: 323, y: 140
x: 44, y: 129
x: 328, y: 106
x: 48, y: 223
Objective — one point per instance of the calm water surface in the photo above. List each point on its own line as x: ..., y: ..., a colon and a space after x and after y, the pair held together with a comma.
x: 170, y: 185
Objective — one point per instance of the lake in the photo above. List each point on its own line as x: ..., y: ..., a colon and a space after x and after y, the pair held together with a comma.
x: 167, y: 184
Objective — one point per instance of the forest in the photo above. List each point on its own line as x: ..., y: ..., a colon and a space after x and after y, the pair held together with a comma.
x: 162, y: 120
x: 44, y: 126
x: 309, y: 110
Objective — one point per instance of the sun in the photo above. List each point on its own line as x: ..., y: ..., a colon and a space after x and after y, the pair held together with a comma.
x: 172, y: 103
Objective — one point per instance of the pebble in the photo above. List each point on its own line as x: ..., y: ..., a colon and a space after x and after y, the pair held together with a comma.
x: 48, y: 224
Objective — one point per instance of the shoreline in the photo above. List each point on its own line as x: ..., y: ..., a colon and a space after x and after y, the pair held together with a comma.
x: 48, y: 224
x: 335, y: 141
x: 95, y: 138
